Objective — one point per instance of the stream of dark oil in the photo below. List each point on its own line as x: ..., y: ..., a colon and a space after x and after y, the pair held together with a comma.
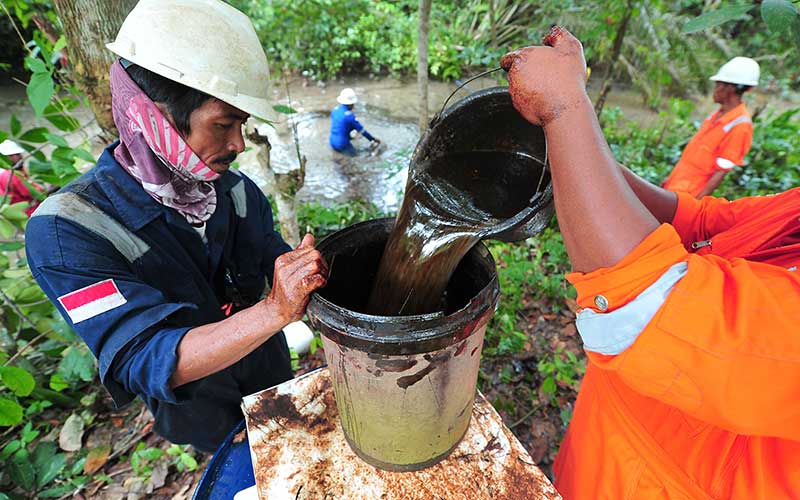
x: 450, y: 203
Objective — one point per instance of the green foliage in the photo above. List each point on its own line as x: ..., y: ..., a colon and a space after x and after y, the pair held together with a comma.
x: 324, y: 220
x: 771, y: 166
x: 717, y: 17
x: 183, y: 458
x: 142, y: 459
x: 42, y: 362
x: 773, y: 163
x: 534, y: 269
x: 561, y: 369
x: 781, y: 16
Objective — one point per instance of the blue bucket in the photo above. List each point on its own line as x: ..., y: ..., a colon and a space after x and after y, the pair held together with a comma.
x: 230, y: 470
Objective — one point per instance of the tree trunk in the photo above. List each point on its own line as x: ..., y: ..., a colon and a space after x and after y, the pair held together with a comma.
x: 612, y: 62
x: 492, y: 24
x: 283, y: 186
x: 422, y: 63
x: 88, y: 26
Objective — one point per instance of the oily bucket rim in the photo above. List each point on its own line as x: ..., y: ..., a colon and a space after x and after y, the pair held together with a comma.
x: 431, y: 331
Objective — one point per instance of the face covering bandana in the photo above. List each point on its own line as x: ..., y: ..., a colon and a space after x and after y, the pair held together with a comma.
x: 153, y: 152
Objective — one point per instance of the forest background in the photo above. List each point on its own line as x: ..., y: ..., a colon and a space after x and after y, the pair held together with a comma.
x: 60, y: 435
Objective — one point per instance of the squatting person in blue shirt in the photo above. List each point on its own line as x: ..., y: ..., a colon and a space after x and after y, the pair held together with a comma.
x: 159, y: 257
x: 343, y: 120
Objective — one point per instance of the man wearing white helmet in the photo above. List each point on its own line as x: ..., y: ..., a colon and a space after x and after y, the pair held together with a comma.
x: 343, y: 121
x: 158, y: 257
x: 724, y: 138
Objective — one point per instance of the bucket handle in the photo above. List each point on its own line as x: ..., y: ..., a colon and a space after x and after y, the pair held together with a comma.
x: 464, y: 84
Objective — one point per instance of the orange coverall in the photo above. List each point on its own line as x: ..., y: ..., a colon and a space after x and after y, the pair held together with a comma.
x: 706, y: 401
x: 726, y: 137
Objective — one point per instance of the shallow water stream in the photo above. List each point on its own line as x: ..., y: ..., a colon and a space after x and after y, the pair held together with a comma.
x: 387, y: 109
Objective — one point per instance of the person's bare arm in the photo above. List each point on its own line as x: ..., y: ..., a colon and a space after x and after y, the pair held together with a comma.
x: 600, y: 216
x: 210, y: 348
x: 660, y: 202
x: 712, y: 183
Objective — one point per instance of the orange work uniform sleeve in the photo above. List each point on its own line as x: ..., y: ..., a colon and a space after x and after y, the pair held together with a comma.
x: 725, y: 345
x: 735, y: 145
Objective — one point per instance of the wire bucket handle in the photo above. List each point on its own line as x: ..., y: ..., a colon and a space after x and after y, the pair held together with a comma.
x: 464, y: 84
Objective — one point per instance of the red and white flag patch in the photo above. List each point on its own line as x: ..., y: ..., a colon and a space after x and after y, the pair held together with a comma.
x: 92, y: 300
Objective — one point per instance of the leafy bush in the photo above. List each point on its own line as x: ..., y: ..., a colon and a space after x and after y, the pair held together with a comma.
x: 324, y: 220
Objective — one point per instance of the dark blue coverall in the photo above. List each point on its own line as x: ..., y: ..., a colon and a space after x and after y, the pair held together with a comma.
x: 104, y: 226
x: 343, y: 120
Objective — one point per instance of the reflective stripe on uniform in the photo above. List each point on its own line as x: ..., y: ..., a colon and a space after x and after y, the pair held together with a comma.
x: 239, y: 199
x: 612, y: 332
x: 742, y: 119
x: 75, y: 209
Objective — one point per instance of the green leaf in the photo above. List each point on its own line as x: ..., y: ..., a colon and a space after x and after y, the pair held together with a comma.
x: 15, y: 125
x: 60, y: 44
x: 57, y: 491
x: 286, y: 110
x: 84, y: 155
x: 717, y: 17
x: 21, y: 470
x: 37, y: 135
x: 50, y: 469
x: 57, y: 382
x: 44, y: 451
x: 78, y: 364
x: 779, y: 15
x: 549, y: 386
x: 7, y: 229
x: 11, y: 246
x: 36, y: 65
x: 189, y: 461
x: 15, y: 212
x: 40, y: 90
x: 57, y: 140
x: 10, y: 449
x: 63, y: 122
x: 18, y: 380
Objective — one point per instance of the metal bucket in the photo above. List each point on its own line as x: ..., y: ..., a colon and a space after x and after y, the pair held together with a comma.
x: 404, y: 385
x: 487, y: 121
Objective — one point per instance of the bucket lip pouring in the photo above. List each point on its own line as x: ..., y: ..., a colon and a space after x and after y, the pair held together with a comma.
x: 429, y: 330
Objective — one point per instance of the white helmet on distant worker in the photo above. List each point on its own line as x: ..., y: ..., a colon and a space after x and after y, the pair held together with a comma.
x: 347, y: 96
x: 739, y: 71
x: 9, y: 147
x: 204, y: 44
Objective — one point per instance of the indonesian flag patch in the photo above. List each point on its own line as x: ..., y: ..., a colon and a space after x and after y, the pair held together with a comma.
x: 92, y: 300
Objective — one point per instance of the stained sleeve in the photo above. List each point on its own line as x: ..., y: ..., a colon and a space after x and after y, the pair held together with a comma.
x: 734, y: 147
x: 133, y: 320
x: 724, y: 347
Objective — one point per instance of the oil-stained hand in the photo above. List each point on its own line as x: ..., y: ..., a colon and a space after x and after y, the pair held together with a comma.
x: 297, y: 274
x: 545, y: 81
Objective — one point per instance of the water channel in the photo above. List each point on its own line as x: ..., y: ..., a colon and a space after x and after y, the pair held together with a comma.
x: 388, y: 110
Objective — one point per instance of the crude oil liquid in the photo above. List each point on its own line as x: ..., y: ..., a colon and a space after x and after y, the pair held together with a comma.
x: 450, y: 203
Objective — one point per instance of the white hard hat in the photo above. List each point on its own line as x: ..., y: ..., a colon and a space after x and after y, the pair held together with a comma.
x: 347, y: 96
x: 9, y: 147
x: 204, y: 44
x: 739, y: 71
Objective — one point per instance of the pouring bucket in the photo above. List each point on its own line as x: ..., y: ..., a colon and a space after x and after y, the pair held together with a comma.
x: 404, y: 385
x: 486, y: 121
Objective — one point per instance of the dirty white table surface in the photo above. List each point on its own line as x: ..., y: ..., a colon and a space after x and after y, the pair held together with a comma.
x: 299, y: 453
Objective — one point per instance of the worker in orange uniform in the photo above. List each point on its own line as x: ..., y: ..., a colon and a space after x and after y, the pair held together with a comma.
x: 724, y: 138
x: 688, y: 314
